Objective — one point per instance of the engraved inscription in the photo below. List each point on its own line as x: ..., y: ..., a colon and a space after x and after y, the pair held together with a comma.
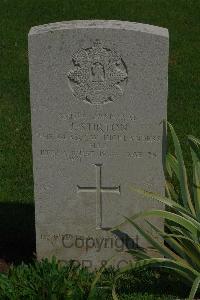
x: 98, y: 136
x: 98, y: 190
x: 83, y: 154
x: 69, y: 240
x: 99, y: 75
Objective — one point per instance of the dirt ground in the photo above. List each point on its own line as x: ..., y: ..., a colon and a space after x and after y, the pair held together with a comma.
x: 4, y: 266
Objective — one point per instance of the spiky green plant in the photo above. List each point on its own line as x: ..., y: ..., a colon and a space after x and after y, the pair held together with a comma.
x: 180, y: 242
x: 53, y: 281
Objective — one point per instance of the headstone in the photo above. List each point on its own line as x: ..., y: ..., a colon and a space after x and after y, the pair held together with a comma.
x: 98, y: 100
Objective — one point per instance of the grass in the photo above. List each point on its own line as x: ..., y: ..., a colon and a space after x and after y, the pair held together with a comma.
x: 16, y: 18
x: 49, y: 280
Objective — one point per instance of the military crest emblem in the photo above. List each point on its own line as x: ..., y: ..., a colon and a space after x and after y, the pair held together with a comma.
x: 99, y: 75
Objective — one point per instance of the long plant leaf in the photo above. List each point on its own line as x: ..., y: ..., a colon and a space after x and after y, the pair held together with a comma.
x: 172, y: 165
x: 167, y: 201
x: 97, y: 277
x: 187, y: 224
x: 191, y: 219
x: 195, y: 145
x: 192, y: 251
x: 162, y: 262
x: 177, y: 249
x: 194, y: 289
x: 186, y: 197
x: 196, y: 187
x: 161, y: 248
x: 176, y: 244
x: 170, y: 191
x: 114, y: 293
x: 138, y: 254
x: 195, y: 152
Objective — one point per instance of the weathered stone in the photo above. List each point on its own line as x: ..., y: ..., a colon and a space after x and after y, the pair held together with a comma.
x: 98, y: 99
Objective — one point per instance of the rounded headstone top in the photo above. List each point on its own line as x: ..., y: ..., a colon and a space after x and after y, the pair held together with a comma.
x: 104, y: 24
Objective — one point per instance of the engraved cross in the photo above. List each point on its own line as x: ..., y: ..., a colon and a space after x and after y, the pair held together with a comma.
x: 98, y: 189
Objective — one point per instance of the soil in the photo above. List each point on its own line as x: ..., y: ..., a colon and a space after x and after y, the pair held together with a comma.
x: 4, y: 266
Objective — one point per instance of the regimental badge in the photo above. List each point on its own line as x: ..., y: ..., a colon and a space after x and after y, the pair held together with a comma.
x: 99, y: 75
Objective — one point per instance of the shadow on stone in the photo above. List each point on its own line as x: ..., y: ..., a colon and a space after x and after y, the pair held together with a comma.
x: 17, y: 232
x: 127, y: 241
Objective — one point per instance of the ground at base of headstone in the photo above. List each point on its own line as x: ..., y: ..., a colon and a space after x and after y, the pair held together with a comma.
x: 4, y: 266
x: 75, y: 283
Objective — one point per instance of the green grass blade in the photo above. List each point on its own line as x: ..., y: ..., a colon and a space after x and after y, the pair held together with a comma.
x: 165, y: 263
x: 190, y: 225
x: 168, y: 166
x: 192, y: 219
x: 192, y: 252
x: 195, y: 145
x: 184, y: 246
x: 114, y: 293
x: 187, y: 202
x: 176, y: 244
x: 181, y: 248
x: 139, y: 254
x: 165, y: 200
x: 177, y: 249
x: 178, y: 236
x: 194, y: 289
x: 196, y: 188
x: 170, y: 191
x: 186, y: 272
x: 157, y: 245
x: 195, y: 152
x: 172, y: 165
x: 97, y: 277
x: 175, y: 229
x: 187, y: 224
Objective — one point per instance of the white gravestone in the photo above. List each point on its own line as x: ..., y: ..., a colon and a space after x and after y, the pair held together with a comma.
x: 98, y: 100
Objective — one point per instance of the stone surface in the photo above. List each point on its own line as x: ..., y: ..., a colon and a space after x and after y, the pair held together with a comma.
x: 98, y: 99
